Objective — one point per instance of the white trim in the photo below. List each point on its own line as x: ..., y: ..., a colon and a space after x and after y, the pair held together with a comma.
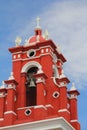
x: 1, y: 119
x: 17, y: 59
x: 17, y: 52
x: 9, y: 112
x: 19, y: 55
x: 72, y: 96
x: 40, y: 106
x: 2, y: 96
x: 35, y: 50
x: 74, y: 121
x: 48, y: 124
x: 47, y: 47
x: 32, y: 57
x: 55, y: 70
x: 54, y: 81
x: 49, y: 105
x: 31, y: 64
x: 62, y: 84
x: 40, y: 80
x: 63, y: 110
x: 25, y: 108
x: 11, y: 87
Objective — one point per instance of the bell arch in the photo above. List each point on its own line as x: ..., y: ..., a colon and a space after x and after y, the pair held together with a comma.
x: 31, y: 64
x: 30, y: 69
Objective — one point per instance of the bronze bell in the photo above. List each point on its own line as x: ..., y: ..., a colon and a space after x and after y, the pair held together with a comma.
x: 32, y: 84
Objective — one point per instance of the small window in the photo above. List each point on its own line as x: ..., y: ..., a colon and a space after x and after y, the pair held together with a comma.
x: 56, y: 94
x: 31, y: 53
x: 27, y: 112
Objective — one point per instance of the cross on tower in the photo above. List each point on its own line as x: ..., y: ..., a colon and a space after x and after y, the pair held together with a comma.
x: 38, y: 22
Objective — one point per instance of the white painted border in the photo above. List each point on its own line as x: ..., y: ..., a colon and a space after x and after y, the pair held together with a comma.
x: 63, y: 110
x: 74, y: 121
x: 30, y: 64
x: 35, y: 57
x: 9, y: 112
x: 1, y: 119
x: 48, y: 124
x: 39, y: 106
x: 35, y: 49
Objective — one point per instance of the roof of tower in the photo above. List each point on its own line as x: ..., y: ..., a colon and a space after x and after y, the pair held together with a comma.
x: 38, y: 37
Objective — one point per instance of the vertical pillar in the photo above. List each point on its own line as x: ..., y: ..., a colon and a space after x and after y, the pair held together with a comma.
x: 41, y: 111
x: 10, y: 114
x: 73, y: 109
x: 10, y: 98
x: 63, y: 97
x: 2, y: 102
x: 23, y: 90
x: 63, y: 111
x: 40, y: 93
x: 40, y: 88
x: 73, y: 93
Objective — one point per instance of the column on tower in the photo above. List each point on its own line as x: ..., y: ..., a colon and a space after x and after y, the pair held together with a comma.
x: 63, y: 111
x: 73, y: 93
x: 10, y: 114
x: 23, y: 90
x: 40, y: 108
x: 40, y: 81
x: 2, y: 100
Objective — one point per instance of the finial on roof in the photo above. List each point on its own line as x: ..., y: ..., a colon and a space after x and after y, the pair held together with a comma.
x: 46, y: 34
x: 59, y: 48
x: 38, y: 22
x: 26, y: 42
x: 3, y: 84
x: 62, y: 74
x: 18, y: 40
x: 73, y: 87
x: 11, y: 76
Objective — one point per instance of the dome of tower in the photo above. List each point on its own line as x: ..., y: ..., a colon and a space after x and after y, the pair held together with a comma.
x: 37, y: 38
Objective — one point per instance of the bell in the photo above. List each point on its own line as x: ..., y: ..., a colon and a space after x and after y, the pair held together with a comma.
x: 32, y: 84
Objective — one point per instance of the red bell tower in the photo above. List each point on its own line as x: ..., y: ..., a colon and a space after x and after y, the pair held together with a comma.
x: 35, y: 96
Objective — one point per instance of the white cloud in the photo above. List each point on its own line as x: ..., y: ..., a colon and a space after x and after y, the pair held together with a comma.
x: 67, y: 24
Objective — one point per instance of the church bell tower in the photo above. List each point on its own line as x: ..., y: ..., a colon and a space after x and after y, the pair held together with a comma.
x: 36, y: 95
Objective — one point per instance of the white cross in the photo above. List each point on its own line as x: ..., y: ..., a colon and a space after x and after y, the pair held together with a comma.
x: 38, y: 22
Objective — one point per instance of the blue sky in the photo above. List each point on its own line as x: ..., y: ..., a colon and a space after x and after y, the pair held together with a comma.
x: 66, y: 21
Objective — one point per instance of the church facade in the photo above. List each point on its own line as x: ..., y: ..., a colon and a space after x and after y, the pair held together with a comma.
x: 35, y: 96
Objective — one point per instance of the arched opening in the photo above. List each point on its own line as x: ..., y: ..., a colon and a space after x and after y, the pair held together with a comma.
x: 31, y: 93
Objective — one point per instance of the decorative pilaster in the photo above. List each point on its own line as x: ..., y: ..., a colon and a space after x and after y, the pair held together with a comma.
x: 2, y: 100
x: 40, y: 81
x: 73, y: 93
x: 11, y: 93
x: 23, y: 90
x: 63, y: 111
